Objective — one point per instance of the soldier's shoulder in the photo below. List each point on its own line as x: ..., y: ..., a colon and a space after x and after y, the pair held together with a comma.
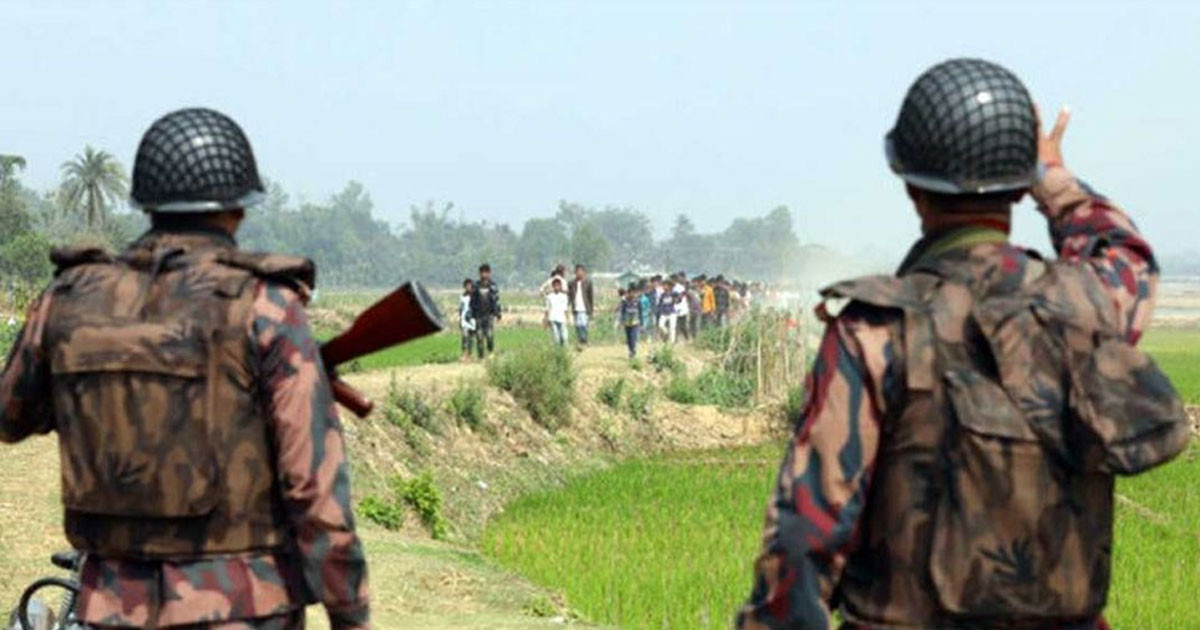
x: 67, y: 258
x: 876, y: 297
x: 294, y: 272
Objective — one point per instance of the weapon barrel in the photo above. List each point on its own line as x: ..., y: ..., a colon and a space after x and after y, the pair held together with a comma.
x: 407, y: 313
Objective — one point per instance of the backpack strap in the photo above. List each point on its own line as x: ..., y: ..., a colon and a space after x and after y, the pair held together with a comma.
x: 299, y: 274
x: 65, y: 258
x: 911, y: 294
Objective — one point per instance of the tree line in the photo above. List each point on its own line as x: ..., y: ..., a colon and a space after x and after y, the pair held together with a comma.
x: 354, y: 248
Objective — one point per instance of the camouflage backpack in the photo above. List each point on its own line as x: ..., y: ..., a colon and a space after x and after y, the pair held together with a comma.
x: 165, y: 450
x: 1022, y: 405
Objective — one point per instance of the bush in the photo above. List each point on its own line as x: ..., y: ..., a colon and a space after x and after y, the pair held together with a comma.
x: 725, y: 389
x: 386, y: 514
x: 611, y: 392
x: 665, y: 361
x: 715, y: 339
x: 792, y: 406
x: 467, y: 405
x: 423, y: 496
x: 639, y: 402
x: 712, y: 387
x: 412, y: 403
x: 682, y: 390
x: 413, y: 436
x: 540, y: 378
x: 8, y: 336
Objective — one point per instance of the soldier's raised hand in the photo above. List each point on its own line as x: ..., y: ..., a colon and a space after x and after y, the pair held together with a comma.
x: 1050, y: 144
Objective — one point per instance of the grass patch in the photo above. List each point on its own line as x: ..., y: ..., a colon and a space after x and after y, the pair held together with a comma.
x: 665, y: 361
x: 423, y: 496
x: 662, y: 543
x: 668, y: 542
x: 640, y: 402
x: 712, y: 387
x: 413, y: 404
x: 541, y: 378
x: 387, y: 514
x: 1176, y: 351
x: 445, y: 348
x: 612, y: 392
x: 467, y: 406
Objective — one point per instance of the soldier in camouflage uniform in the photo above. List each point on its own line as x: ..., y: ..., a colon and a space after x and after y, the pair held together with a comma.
x: 203, y: 467
x: 953, y: 466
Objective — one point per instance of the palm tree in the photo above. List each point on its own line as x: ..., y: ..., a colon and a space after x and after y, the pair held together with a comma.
x: 93, y: 180
x: 9, y: 165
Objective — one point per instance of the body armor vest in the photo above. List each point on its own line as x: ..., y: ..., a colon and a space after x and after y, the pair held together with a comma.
x: 992, y: 500
x: 164, y: 444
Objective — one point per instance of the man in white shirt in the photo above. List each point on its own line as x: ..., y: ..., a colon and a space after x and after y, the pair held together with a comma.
x: 556, y: 313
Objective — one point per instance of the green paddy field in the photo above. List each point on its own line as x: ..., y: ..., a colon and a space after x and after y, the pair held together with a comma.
x: 668, y: 542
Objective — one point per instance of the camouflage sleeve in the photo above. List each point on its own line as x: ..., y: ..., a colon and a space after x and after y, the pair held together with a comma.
x: 1086, y: 228
x: 821, y: 491
x: 314, y: 475
x: 25, y: 406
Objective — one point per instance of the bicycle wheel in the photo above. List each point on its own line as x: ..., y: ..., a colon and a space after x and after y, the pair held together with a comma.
x: 49, y: 604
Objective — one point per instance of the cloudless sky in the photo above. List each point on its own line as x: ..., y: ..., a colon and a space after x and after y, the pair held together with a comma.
x: 715, y: 109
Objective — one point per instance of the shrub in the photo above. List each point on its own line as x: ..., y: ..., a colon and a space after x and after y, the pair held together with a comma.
x: 715, y: 339
x: 792, y: 406
x: 724, y: 388
x: 682, y: 390
x: 412, y: 403
x: 713, y: 387
x: 611, y: 392
x: 413, y: 436
x: 386, y: 514
x: 665, y: 361
x: 540, y: 378
x: 639, y: 402
x: 422, y: 495
x: 467, y: 405
x: 8, y: 336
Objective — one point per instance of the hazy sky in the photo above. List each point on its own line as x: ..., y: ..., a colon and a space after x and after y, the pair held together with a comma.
x: 717, y: 109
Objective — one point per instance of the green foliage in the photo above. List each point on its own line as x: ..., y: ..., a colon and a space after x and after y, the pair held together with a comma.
x: 385, y: 513
x: 712, y: 387
x: 666, y: 542
x: 682, y: 390
x: 541, y: 606
x: 639, y: 402
x: 715, y: 339
x: 92, y: 182
x: 647, y: 544
x: 725, y: 389
x: 792, y: 406
x: 541, y: 378
x: 467, y: 405
x: 423, y: 496
x: 412, y: 403
x: 8, y: 335
x: 612, y: 392
x: 665, y: 361
x: 24, y: 259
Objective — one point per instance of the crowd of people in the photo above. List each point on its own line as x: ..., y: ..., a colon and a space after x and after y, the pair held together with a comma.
x: 658, y: 309
x: 674, y: 308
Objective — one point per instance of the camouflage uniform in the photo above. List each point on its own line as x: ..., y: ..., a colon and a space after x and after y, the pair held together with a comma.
x: 858, y: 521
x: 254, y: 564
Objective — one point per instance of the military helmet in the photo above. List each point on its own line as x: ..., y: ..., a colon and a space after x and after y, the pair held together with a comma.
x: 967, y: 126
x: 195, y: 160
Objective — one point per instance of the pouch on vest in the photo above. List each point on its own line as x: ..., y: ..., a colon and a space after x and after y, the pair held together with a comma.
x: 139, y: 396
x: 1126, y: 404
x: 1014, y: 532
